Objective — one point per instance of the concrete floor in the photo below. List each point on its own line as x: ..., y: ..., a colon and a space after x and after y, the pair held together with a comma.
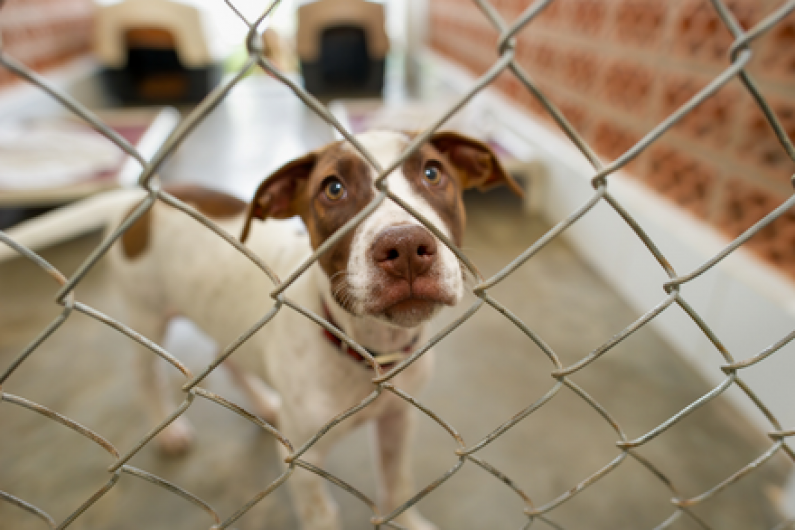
x: 487, y: 371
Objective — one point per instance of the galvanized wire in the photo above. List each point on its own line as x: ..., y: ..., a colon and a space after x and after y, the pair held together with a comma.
x: 464, y: 453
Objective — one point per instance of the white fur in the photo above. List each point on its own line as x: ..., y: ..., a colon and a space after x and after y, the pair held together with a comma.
x: 385, y: 147
x: 188, y: 270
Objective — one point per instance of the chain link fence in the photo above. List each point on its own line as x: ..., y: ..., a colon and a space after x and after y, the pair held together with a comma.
x: 467, y: 451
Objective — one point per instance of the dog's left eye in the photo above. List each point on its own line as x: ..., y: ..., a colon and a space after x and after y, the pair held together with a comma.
x: 334, y: 189
x: 433, y: 174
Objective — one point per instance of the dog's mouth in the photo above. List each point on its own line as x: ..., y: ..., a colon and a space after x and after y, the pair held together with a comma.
x: 398, y: 303
x: 411, y: 312
x: 409, y: 304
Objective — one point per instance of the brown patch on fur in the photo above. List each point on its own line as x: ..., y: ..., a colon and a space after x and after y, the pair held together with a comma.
x: 464, y: 163
x: 212, y: 203
x: 297, y: 188
x: 445, y: 198
x: 135, y: 240
x: 280, y: 196
x: 476, y: 163
x: 325, y: 217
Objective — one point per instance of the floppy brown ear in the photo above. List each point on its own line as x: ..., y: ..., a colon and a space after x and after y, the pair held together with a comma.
x: 277, y: 196
x: 476, y: 163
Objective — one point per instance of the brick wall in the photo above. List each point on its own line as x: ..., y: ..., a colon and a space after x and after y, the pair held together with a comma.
x: 44, y: 33
x: 616, y: 68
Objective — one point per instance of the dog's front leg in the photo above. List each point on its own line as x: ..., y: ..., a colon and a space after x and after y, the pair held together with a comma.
x: 394, y: 432
x: 315, y: 508
x: 265, y: 400
x: 178, y: 435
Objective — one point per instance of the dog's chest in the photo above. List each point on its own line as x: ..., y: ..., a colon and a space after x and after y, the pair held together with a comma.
x: 317, y: 376
x: 207, y: 280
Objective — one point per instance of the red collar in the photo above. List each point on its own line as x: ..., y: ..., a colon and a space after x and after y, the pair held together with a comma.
x: 354, y: 354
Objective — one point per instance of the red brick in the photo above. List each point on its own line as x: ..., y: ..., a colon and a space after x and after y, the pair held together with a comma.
x: 517, y: 7
x: 539, y: 57
x: 610, y: 140
x: 516, y: 88
x: 528, y: 100
x: 701, y: 34
x: 641, y: 22
x: 523, y: 46
x: 587, y: 17
x: 577, y: 115
x: 552, y: 15
x: 531, y: 103
x: 580, y: 69
x: 711, y: 122
x: 760, y: 146
x: 778, y: 57
x: 6, y: 76
x: 684, y: 180
x: 743, y: 206
x: 506, y: 83
x: 509, y: 9
x: 628, y: 86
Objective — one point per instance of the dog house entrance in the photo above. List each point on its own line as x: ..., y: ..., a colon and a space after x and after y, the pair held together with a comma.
x: 345, y: 63
x: 154, y: 72
x: 153, y: 66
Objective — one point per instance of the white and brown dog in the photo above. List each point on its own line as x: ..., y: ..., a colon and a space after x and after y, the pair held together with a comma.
x: 380, y: 284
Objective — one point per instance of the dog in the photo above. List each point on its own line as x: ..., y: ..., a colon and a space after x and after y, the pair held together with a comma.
x: 380, y: 283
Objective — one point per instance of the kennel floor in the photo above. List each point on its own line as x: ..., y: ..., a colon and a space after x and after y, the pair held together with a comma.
x: 486, y: 372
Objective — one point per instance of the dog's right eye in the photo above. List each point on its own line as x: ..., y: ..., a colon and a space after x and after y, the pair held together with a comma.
x: 334, y: 189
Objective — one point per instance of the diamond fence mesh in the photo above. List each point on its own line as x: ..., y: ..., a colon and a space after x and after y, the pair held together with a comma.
x: 467, y: 451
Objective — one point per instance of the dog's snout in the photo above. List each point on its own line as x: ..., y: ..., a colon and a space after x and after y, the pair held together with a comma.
x: 405, y: 251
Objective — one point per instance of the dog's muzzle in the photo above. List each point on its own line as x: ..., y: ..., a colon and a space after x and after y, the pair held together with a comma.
x: 410, y: 287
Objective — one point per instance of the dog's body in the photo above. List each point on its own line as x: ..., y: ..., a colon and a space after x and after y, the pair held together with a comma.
x: 379, y: 284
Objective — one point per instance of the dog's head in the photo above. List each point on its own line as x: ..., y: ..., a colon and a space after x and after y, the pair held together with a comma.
x: 390, y: 267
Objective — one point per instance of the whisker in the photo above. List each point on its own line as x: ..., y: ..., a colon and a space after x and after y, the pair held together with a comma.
x: 468, y: 276
x: 344, y: 271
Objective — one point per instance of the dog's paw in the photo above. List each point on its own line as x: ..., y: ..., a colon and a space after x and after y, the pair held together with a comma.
x: 176, y: 439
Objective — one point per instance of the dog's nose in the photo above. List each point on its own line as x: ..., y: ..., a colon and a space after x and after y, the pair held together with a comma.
x: 405, y: 251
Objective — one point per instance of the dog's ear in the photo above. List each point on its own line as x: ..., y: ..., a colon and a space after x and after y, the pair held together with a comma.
x: 475, y: 161
x: 278, y: 195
